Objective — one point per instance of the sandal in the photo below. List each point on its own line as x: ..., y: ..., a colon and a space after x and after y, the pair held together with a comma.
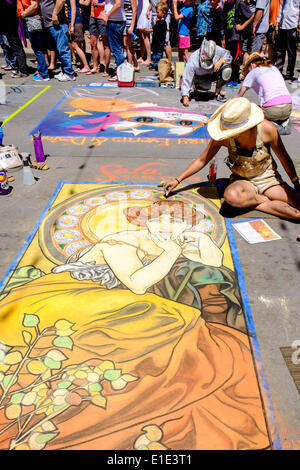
x: 105, y: 74
x: 39, y: 165
x: 92, y: 72
x: 113, y: 79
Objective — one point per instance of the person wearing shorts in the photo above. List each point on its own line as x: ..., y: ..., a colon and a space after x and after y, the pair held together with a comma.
x: 76, y: 33
x: 183, y: 16
x: 239, y: 126
x: 98, y: 29
x: 130, y: 8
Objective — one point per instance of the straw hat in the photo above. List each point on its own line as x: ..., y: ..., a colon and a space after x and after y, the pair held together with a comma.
x: 235, y: 116
x: 255, y: 56
x: 207, y: 54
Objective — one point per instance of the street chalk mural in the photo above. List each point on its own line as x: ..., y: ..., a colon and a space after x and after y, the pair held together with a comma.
x: 96, y: 112
x: 122, y: 327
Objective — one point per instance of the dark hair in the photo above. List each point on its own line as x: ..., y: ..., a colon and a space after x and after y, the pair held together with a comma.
x: 139, y: 215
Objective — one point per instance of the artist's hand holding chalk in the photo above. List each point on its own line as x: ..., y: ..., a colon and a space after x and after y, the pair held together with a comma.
x: 169, y: 186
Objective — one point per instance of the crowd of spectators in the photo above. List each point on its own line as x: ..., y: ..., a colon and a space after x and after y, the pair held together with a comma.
x: 139, y: 31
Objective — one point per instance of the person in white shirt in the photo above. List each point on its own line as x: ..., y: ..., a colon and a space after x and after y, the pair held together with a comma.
x: 205, y: 65
x: 288, y: 21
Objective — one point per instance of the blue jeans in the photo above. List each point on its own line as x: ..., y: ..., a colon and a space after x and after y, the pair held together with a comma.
x: 59, y: 35
x: 115, y: 30
x: 156, y: 57
x: 9, y: 56
x: 36, y: 40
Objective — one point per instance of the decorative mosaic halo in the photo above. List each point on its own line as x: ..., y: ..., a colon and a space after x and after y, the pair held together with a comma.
x: 63, y: 231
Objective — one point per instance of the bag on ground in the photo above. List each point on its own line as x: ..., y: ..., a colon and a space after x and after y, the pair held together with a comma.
x: 125, y: 74
x: 10, y: 159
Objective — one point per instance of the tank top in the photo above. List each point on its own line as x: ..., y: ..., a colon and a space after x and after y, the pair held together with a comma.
x: 250, y: 163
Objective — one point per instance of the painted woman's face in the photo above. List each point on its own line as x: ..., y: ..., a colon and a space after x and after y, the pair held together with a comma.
x: 166, y: 226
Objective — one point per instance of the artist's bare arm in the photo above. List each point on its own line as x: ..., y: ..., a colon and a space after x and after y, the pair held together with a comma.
x: 241, y: 91
x: 212, y: 148
x: 271, y: 136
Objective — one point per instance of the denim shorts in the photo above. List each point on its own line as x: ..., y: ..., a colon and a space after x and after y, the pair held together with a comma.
x: 97, y: 27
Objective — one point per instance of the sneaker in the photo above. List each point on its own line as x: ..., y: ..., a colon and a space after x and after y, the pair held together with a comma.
x: 17, y: 74
x: 37, y: 78
x: 66, y: 78
x: 221, y: 98
x: 58, y: 75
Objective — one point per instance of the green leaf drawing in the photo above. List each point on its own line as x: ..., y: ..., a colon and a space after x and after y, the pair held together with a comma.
x: 63, y: 342
x: 112, y: 374
x: 30, y: 320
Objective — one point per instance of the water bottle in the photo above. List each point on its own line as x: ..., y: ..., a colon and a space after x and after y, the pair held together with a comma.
x: 28, y: 178
x: 134, y: 36
x: 4, y: 186
x: 1, y: 133
x: 212, y: 173
x: 38, y: 147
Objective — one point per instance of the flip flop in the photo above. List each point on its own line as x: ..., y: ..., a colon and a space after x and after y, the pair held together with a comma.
x: 39, y: 165
x: 92, y: 72
x: 113, y: 79
x: 105, y: 74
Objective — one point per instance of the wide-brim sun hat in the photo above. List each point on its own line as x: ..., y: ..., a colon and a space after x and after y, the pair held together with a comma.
x: 254, y: 57
x: 207, y: 54
x: 235, y: 116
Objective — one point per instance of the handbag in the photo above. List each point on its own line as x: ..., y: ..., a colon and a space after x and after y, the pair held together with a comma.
x: 10, y: 159
x: 34, y: 24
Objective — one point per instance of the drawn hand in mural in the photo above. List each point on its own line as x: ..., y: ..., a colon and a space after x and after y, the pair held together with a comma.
x: 142, y: 258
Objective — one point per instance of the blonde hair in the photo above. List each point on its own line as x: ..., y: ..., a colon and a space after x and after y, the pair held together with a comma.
x: 162, y: 6
x: 256, y: 59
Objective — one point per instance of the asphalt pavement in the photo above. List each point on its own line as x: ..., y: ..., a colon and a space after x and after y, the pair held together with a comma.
x: 270, y: 270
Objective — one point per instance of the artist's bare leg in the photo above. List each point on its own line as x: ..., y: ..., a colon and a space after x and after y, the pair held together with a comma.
x: 280, y: 200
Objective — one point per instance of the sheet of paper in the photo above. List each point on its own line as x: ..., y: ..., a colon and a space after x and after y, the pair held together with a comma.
x: 256, y: 231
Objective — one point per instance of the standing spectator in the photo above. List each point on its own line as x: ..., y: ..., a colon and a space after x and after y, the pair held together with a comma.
x: 9, y: 24
x: 245, y: 11
x: 260, y: 25
x: 98, y: 27
x: 77, y: 34
x: 159, y: 35
x: 10, y: 59
x: 270, y: 36
x: 203, y: 12
x: 143, y: 27
x: 130, y: 13
x: 55, y: 22
x: 25, y: 10
x: 286, y: 41
x: 183, y: 17
x: 151, y: 14
x: 215, y: 27
x: 232, y: 39
x: 115, y: 20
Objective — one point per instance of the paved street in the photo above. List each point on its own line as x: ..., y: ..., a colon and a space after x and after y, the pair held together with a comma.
x: 270, y: 271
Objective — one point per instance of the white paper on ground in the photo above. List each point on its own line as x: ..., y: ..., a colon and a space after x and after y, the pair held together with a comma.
x: 256, y: 231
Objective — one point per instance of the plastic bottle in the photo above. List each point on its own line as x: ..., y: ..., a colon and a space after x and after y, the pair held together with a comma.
x: 4, y: 186
x: 212, y: 173
x: 28, y: 178
x: 1, y: 133
x: 134, y: 36
x: 38, y: 147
